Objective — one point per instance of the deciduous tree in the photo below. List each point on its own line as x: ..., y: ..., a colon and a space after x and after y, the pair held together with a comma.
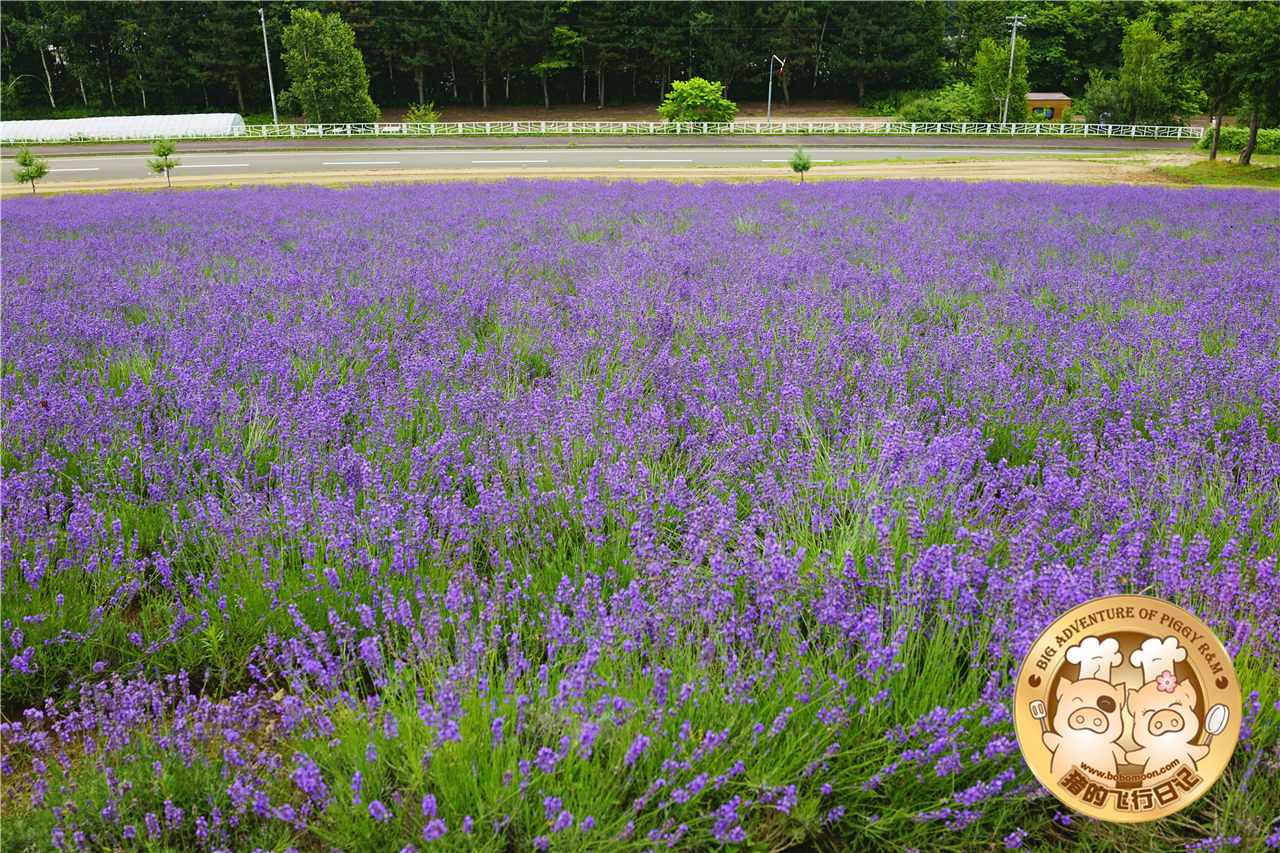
x: 328, y: 78
x: 992, y: 83
x: 1206, y: 35
x: 697, y: 100
x: 1258, y: 38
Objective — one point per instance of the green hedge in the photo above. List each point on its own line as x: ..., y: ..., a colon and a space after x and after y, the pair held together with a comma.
x: 1235, y: 138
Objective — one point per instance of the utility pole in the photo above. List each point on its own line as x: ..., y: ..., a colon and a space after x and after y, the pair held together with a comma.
x: 262, y: 16
x: 768, y: 112
x: 1015, y: 21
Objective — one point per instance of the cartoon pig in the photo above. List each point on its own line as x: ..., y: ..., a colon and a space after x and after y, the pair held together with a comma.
x: 1164, y: 724
x: 1086, y: 726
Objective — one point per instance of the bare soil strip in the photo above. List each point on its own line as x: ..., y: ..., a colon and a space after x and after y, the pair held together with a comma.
x: 1048, y: 169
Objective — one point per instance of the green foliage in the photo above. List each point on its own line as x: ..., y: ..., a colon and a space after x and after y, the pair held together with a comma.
x: 953, y: 104
x: 329, y: 81
x: 1258, y: 40
x: 874, y: 46
x: 1235, y: 138
x: 894, y: 100
x: 162, y: 150
x: 992, y: 83
x: 1206, y: 35
x: 697, y: 100
x: 423, y: 113
x: 800, y: 163
x: 1146, y: 91
x: 29, y: 168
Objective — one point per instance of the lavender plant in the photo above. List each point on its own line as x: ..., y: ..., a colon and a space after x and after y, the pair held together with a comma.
x: 614, y: 516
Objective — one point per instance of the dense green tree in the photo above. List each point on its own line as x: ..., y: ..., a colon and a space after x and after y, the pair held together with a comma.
x: 880, y: 46
x: 82, y: 57
x: 723, y: 41
x: 487, y: 32
x: 1206, y: 35
x: 606, y: 44
x: 554, y: 44
x: 790, y: 29
x: 697, y: 100
x: 1258, y: 41
x: 994, y: 86
x: 156, y: 52
x: 1066, y: 40
x: 225, y: 50
x: 31, y: 34
x: 656, y: 41
x: 328, y: 78
x: 1146, y: 90
x: 419, y: 35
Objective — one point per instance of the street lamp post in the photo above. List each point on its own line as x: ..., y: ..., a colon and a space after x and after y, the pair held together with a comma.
x: 768, y: 115
x: 262, y: 16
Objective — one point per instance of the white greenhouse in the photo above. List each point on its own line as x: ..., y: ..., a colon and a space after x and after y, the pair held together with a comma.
x: 199, y: 125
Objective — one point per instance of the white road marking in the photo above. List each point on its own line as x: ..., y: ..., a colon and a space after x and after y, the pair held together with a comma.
x: 788, y: 161
x: 655, y: 161
x: 87, y: 169
x: 208, y: 165
x: 361, y: 163
x: 508, y: 161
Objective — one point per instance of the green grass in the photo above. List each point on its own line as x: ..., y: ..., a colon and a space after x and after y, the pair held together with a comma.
x: 1226, y: 173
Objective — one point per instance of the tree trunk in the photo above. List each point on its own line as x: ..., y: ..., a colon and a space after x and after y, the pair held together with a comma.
x: 484, y: 84
x: 546, y: 95
x: 48, y: 81
x: 507, y: 92
x: 1217, y: 129
x: 600, y: 85
x: 1247, y: 154
x: 584, y: 84
x: 786, y: 96
x: 419, y: 76
x: 84, y: 96
x: 633, y: 83
x: 818, y: 59
x: 862, y: 90
x: 111, y: 85
x: 142, y: 89
x: 453, y: 72
x: 239, y: 95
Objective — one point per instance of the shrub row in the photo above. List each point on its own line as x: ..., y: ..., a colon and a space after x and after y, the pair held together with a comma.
x: 1235, y: 138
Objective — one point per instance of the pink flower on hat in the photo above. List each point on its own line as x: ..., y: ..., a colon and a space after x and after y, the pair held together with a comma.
x: 1166, y: 681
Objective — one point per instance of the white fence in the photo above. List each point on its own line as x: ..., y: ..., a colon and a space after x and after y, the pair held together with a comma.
x: 652, y: 128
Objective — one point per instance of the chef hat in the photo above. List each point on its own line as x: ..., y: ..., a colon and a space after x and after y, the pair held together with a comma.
x: 1096, y: 657
x: 1157, y: 656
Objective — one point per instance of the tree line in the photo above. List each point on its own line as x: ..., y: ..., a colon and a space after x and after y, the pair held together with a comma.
x: 1129, y: 60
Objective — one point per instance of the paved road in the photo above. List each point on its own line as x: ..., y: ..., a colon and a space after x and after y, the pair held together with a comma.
x: 120, y: 166
x: 436, y: 143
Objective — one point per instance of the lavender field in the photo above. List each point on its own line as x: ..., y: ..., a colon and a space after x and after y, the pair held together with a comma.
x: 578, y: 516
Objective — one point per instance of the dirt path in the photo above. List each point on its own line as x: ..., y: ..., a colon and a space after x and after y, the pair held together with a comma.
x: 1048, y: 169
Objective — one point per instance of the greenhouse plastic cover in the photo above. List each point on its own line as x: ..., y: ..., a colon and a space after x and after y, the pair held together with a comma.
x: 124, y: 127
